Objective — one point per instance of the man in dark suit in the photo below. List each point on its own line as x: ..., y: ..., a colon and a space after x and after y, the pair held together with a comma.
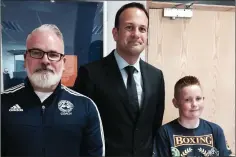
x: 128, y: 91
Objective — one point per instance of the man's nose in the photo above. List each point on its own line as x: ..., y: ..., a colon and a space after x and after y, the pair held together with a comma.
x: 136, y: 33
x: 45, y: 59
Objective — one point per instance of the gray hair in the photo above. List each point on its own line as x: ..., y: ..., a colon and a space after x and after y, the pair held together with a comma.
x: 48, y: 27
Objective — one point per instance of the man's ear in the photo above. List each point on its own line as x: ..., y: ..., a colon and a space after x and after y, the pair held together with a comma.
x: 25, y: 60
x: 115, y: 33
x: 64, y: 60
x: 175, y: 103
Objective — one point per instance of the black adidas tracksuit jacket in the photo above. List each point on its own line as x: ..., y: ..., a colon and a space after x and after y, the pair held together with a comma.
x: 65, y: 124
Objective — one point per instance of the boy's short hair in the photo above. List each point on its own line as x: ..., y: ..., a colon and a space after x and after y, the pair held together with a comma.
x: 185, y: 81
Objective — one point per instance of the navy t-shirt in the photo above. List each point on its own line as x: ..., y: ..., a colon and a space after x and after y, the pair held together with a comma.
x: 206, y: 140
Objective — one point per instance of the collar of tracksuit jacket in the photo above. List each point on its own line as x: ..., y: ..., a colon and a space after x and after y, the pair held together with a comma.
x: 33, y: 97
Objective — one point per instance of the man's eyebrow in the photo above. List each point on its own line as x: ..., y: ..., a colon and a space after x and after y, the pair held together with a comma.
x: 51, y: 51
x: 143, y: 26
x: 35, y: 49
x: 130, y: 23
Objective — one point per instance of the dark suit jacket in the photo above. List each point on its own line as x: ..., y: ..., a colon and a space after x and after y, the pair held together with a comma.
x: 124, y: 136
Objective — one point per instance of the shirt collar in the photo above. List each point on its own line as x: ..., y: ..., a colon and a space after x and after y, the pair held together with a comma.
x: 29, y: 85
x: 30, y: 90
x: 122, y: 63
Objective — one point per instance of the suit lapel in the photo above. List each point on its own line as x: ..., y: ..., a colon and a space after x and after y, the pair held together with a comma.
x: 113, y: 72
x: 146, y: 86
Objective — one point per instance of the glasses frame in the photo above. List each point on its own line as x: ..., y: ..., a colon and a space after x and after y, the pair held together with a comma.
x: 30, y: 50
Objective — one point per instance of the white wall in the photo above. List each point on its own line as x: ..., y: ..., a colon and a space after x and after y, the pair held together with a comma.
x: 110, y: 9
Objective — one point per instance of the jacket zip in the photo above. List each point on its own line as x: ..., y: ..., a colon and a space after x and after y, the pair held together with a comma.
x: 43, y: 110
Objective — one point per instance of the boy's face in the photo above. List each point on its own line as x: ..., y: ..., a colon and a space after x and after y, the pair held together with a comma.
x: 190, y: 102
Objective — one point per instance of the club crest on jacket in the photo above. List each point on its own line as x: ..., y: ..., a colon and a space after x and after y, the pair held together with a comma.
x: 65, y: 107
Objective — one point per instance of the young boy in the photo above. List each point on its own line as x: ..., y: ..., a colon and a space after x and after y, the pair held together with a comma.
x: 189, y: 135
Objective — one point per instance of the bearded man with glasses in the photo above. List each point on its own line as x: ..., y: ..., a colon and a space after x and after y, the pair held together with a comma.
x: 42, y: 117
x: 45, y: 75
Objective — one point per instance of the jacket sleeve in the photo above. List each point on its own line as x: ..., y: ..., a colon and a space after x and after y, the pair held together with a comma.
x: 93, y: 136
x: 3, y: 135
x: 162, y: 99
x: 162, y: 143
x: 83, y: 83
x: 160, y: 105
x: 221, y: 143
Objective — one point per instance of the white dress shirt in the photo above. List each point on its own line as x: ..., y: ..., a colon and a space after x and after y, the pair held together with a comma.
x: 137, y: 75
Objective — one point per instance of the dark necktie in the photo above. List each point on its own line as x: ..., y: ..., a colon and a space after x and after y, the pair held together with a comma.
x: 131, y: 88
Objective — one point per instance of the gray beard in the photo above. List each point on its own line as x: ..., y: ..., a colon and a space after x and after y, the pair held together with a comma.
x: 45, y: 79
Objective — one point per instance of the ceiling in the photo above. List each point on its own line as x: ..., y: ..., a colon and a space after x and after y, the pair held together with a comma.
x: 19, y: 18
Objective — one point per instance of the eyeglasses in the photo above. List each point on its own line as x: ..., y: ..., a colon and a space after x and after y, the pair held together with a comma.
x: 38, y: 54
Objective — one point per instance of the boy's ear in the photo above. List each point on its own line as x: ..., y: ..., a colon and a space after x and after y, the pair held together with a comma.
x: 174, y: 101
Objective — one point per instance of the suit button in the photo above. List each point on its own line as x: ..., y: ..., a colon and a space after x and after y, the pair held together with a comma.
x: 136, y: 129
